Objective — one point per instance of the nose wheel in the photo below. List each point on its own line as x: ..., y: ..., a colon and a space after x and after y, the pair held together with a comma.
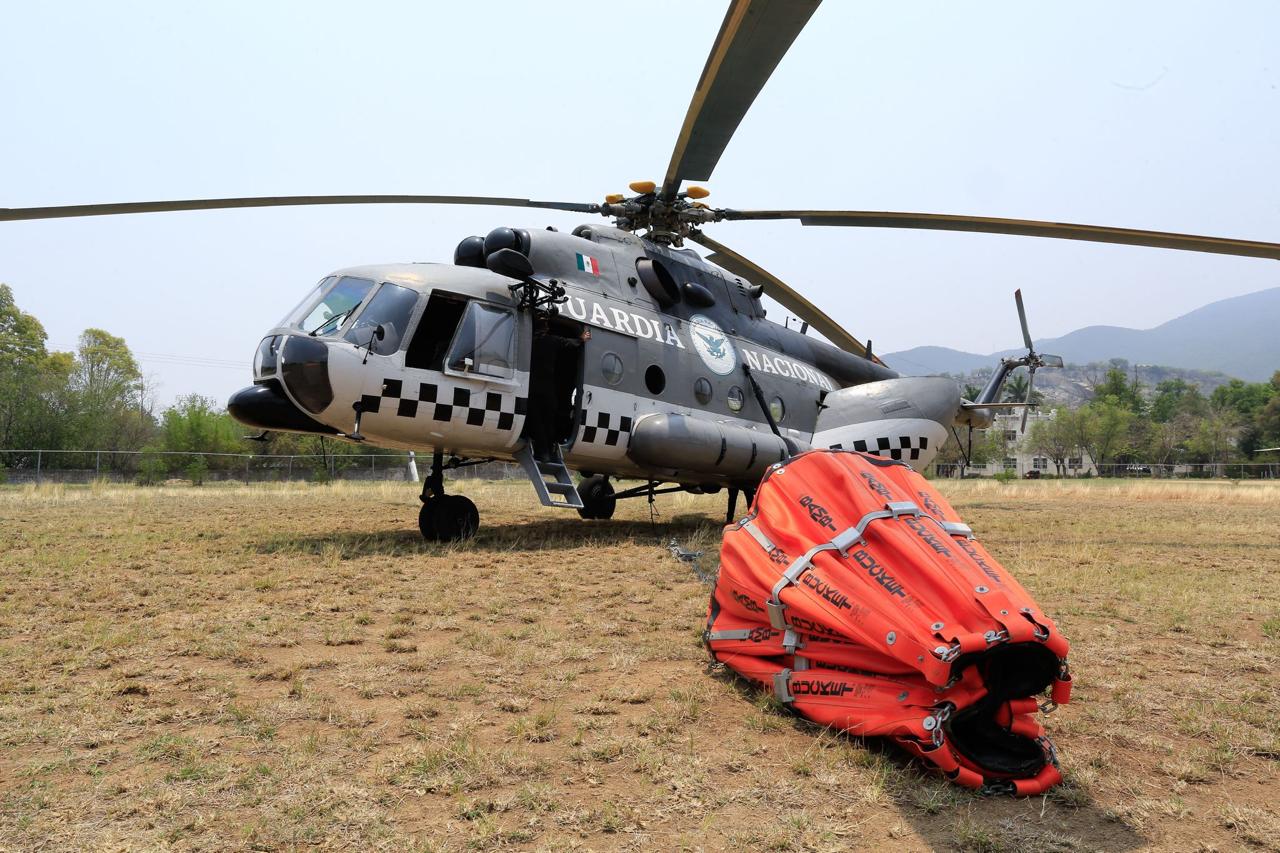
x: 445, y: 518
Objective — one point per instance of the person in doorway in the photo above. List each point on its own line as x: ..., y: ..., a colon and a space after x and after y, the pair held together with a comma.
x: 549, y: 350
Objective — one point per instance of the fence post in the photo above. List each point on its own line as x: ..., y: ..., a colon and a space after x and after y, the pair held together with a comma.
x: 39, y: 460
x: 373, y: 474
x: 97, y: 465
x: 246, y: 468
x: 289, y: 476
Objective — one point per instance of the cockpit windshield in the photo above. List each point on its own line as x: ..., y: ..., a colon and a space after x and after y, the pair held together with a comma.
x: 332, y: 302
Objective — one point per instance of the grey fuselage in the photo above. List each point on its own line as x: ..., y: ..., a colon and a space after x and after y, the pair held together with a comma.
x: 681, y: 360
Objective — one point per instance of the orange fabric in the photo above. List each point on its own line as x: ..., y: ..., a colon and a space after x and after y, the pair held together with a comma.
x: 898, y: 630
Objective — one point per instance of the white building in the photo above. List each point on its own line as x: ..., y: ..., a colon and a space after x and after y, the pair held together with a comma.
x: 1018, y: 458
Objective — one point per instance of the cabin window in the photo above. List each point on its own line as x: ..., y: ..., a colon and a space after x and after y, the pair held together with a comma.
x: 435, y: 330
x: 389, y: 308
x: 777, y: 409
x: 735, y: 399
x: 654, y: 379
x: 485, y: 344
x: 611, y: 368
x: 1010, y: 463
x: 702, y: 390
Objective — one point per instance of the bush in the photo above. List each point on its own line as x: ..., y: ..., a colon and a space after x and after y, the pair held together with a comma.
x: 196, y: 471
x: 1006, y: 476
x: 152, y: 470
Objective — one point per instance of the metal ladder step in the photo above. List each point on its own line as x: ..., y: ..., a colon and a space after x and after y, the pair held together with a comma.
x: 551, y: 480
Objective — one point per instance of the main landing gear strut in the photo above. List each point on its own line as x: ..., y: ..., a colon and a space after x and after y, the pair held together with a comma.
x: 445, y: 518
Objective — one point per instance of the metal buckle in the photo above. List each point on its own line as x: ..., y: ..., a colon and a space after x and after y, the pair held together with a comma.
x: 782, y: 686
x: 777, y: 615
x: 955, y: 528
x: 1050, y: 751
x: 947, y: 654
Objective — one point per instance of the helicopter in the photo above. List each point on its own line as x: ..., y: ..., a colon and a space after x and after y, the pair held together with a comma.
x: 616, y: 350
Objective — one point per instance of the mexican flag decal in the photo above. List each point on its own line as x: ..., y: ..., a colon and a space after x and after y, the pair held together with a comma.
x: 586, y: 263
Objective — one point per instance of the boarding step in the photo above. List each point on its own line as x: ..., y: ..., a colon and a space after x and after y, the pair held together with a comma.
x: 551, y: 480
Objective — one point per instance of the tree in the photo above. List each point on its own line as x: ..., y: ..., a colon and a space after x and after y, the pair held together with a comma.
x: 1171, y: 395
x: 1055, y: 439
x: 112, y: 410
x: 1015, y: 388
x: 1118, y: 388
x: 32, y: 381
x: 196, y: 424
x: 1214, y: 436
x: 1102, y: 428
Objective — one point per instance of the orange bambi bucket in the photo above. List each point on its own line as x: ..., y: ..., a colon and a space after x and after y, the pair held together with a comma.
x: 855, y: 594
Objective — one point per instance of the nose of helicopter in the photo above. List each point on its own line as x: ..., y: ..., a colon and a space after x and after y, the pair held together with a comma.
x: 303, y: 369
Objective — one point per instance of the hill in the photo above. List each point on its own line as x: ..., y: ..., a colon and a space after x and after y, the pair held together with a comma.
x: 1237, y: 337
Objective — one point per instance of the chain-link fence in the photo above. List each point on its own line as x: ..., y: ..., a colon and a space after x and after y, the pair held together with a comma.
x: 153, y: 467
x: 1182, y: 471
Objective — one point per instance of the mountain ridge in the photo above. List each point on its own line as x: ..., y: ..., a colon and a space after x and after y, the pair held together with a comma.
x: 1238, y: 336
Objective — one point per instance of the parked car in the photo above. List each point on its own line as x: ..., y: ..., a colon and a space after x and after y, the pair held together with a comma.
x: 1033, y: 474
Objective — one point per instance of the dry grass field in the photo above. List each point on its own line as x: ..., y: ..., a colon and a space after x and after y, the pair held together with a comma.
x: 289, y: 667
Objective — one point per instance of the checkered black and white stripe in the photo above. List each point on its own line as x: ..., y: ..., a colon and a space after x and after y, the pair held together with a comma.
x: 604, y: 428
x: 448, y: 403
x: 901, y: 447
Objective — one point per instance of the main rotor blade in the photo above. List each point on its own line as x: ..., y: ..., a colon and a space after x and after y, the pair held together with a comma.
x: 786, y: 296
x: 753, y: 38
x: 17, y: 213
x: 1022, y: 318
x: 1023, y: 227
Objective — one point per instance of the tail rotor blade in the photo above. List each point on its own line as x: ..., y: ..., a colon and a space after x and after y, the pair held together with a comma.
x: 1031, y: 387
x: 1022, y: 318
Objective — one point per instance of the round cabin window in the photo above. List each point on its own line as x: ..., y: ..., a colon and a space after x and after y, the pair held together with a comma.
x: 654, y: 379
x: 778, y: 410
x: 702, y: 390
x: 611, y: 368
x: 735, y: 399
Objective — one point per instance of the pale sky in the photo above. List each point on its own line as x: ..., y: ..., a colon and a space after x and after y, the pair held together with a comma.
x: 1161, y: 115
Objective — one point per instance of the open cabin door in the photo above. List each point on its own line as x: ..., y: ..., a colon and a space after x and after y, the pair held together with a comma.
x: 555, y: 385
x: 459, y: 384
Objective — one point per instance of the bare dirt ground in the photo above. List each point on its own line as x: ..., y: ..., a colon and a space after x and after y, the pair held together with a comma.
x: 290, y: 667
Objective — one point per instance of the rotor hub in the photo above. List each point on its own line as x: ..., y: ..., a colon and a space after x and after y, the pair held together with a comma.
x: 664, y: 220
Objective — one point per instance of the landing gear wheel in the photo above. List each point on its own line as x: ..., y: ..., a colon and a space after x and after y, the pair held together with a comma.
x: 449, y: 518
x: 456, y: 518
x: 597, y: 497
x: 427, y: 519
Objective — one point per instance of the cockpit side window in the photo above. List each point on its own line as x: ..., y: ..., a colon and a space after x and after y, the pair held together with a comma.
x: 324, y: 315
x: 391, y: 307
x: 485, y: 344
x: 435, y: 330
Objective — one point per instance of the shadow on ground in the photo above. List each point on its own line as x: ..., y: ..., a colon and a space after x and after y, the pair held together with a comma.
x: 1066, y: 818
x: 529, y: 535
